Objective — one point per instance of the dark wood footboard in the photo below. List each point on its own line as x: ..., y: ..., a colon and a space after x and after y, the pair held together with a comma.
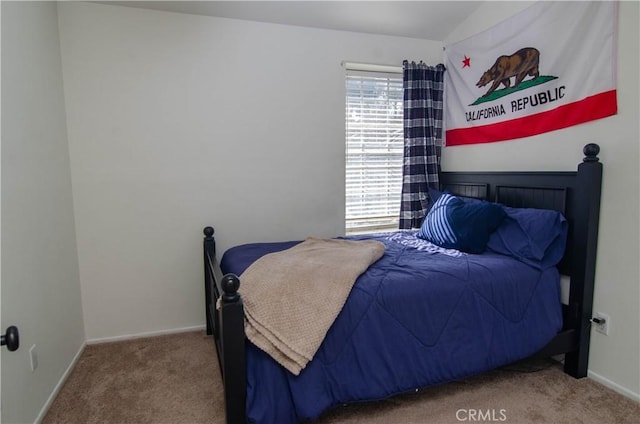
x: 225, y: 321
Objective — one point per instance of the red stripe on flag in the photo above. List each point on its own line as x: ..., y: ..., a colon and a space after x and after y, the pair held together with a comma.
x: 593, y: 107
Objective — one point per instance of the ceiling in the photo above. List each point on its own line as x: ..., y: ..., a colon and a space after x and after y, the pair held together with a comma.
x: 431, y: 20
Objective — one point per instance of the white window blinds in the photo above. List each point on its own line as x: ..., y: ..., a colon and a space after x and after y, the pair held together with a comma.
x: 374, y: 150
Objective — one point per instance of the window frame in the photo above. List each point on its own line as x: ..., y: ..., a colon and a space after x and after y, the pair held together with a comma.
x: 385, y: 132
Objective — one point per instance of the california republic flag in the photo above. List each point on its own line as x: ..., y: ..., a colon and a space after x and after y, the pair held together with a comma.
x: 549, y: 67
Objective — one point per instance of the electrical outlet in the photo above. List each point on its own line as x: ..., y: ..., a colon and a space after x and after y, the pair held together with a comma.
x: 604, y: 326
x: 34, y: 358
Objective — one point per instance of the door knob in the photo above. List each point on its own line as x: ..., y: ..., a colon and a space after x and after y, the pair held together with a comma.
x: 11, y: 338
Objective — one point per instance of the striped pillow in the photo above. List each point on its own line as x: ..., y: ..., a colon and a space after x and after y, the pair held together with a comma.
x: 454, y: 224
x: 436, y: 227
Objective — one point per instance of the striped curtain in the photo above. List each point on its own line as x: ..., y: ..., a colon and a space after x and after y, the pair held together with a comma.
x: 423, y: 110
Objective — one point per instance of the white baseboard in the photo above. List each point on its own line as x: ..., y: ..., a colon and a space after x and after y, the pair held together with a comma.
x: 143, y: 335
x: 613, y: 386
x: 56, y: 390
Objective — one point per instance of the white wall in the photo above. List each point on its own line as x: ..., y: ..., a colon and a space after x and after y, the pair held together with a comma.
x: 179, y: 121
x: 40, y: 280
x: 614, y: 359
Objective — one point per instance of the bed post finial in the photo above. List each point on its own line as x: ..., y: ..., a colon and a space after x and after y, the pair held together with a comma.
x: 591, y: 151
x: 208, y: 232
x: 230, y: 284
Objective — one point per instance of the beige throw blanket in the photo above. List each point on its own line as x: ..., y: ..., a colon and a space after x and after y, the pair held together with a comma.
x: 292, y: 297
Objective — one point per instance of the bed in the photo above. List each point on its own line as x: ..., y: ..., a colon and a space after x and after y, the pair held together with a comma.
x: 423, y: 315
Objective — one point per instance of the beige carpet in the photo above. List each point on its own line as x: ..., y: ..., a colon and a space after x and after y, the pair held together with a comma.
x: 175, y: 379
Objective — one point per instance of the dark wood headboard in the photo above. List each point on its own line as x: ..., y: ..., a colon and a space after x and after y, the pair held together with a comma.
x: 575, y: 194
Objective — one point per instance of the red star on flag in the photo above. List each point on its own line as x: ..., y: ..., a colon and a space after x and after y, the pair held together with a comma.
x: 466, y: 62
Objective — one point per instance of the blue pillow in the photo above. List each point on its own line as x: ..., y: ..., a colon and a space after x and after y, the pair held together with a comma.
x: 454, y: 224
x: 536, y: 237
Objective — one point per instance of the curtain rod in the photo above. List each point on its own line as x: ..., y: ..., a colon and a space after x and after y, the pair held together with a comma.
x: 369, y: 67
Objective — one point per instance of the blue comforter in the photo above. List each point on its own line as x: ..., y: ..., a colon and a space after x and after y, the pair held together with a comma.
x: 418, y: 317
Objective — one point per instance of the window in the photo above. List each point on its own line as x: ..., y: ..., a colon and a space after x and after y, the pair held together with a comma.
x: 374, y: 150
